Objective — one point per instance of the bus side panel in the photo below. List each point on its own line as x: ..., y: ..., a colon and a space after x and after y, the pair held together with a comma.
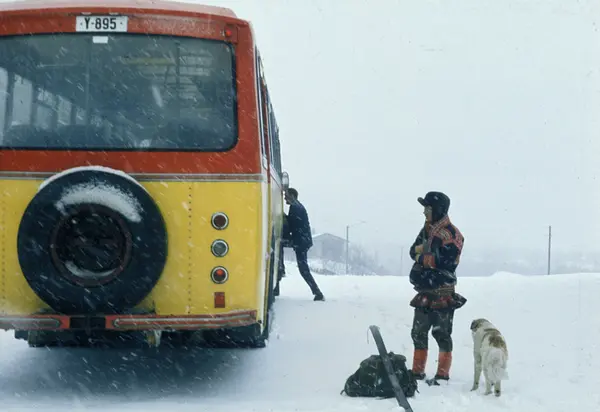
x: 2, y: 251
x: 265, y: 242
x: 277, y: 213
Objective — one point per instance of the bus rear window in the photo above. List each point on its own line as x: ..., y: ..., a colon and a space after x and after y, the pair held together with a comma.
x: 116, y: 92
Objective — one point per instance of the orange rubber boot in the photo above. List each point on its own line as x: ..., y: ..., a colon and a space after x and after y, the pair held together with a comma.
x: 444, y: 364
x: 419, y: 362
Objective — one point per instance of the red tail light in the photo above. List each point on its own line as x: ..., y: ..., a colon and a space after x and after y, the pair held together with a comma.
x: 219, y: 299
x: 219, y: 275
x: 229, y: 31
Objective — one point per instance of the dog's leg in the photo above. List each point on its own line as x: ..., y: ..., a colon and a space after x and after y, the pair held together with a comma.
x: 488, y: 383
x: 497, y: 388
x: 477, y: 371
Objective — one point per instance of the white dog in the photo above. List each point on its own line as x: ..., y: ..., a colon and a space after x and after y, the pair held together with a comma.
x: 490, y: 355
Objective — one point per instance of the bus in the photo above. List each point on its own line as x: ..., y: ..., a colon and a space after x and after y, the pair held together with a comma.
x: 141, y: 182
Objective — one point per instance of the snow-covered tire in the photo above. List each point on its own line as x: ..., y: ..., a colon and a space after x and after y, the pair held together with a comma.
x: 92, y: 241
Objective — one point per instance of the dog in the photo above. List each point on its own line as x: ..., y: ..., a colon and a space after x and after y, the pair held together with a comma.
x: 490, y: 356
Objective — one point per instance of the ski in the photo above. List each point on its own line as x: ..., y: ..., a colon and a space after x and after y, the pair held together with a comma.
x: 387, y: 363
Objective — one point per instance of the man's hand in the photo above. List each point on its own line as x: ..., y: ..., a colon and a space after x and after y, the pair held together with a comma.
x: 419, y: 249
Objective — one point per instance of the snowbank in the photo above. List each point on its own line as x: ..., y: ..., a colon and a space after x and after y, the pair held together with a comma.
x: 549, y: 322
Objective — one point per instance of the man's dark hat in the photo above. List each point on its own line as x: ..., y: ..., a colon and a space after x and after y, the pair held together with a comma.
x: 437, y: 200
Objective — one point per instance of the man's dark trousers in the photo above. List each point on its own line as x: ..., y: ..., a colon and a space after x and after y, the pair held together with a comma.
x: 302, y: 259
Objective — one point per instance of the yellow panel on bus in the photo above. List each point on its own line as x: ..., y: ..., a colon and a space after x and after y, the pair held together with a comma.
x: 185, y: 286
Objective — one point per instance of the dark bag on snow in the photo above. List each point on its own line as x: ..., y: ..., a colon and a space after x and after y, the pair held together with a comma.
x: 370, y: 380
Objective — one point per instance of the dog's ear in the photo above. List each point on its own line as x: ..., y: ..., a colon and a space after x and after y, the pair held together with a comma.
x: 476, y: 323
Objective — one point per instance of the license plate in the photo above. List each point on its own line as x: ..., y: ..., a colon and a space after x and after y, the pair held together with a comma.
x: 103, y: 24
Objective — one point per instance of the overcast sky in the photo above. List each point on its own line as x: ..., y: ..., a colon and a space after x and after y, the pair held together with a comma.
x: 495, y: 103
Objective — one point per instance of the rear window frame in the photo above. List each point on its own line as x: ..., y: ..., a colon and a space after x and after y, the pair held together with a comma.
x: 234, y: 85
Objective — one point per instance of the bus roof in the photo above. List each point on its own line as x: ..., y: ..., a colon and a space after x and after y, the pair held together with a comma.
x: 162, y: 5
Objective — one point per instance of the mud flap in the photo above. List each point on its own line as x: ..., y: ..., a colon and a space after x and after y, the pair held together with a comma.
x: 387, y: 363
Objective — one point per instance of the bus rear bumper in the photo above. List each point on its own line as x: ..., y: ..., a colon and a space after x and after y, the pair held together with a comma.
x: 121, y: 322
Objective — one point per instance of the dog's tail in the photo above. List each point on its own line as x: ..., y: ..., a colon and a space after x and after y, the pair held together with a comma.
x: 498, y: 360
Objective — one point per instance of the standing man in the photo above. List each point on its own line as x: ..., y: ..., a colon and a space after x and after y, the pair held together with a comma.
x: 301, y: 238
x: 436, y: 253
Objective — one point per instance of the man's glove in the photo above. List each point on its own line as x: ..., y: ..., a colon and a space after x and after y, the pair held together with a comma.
x: 419, y: 249
x: 428, y: 260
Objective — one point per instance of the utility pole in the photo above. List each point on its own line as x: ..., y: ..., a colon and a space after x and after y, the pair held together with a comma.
x: 347, y: 242
x: 549, y: 246
x: 402, y: 261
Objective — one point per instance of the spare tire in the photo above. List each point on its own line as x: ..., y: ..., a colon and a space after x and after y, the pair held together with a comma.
x: 92, y: 240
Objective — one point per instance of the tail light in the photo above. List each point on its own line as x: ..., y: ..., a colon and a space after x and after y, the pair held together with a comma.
x: 219, y: 275
x: 219, y: 221
x: 219, y: 248
x: 230, y: 32
x: 219, y: 299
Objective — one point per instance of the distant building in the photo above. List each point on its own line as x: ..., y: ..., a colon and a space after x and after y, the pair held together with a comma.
x: 328, y: 247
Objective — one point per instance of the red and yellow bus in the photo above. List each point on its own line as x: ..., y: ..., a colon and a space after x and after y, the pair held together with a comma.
x: 140, y: 173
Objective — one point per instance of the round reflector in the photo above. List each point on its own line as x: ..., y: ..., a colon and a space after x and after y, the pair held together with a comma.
x: 219, y: 248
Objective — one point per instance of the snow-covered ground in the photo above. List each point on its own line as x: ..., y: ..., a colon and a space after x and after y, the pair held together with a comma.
x: 551, y: 324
